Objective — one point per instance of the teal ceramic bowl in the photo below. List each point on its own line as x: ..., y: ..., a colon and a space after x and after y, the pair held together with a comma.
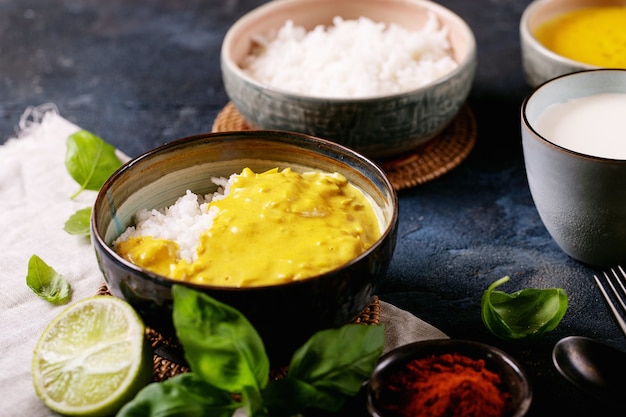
x: 379, y: 127
x: 285, y: 315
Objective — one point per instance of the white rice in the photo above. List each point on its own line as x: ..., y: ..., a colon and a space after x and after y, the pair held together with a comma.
x: 183, y: 222
x: 352, y: 58
x: 188, y: 218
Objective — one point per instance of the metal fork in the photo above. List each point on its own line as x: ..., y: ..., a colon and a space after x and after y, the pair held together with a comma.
x: 616, y: 299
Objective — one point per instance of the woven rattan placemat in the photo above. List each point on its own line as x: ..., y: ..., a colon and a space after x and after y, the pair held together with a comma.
x: 423, y: 164
x: 168, y: 354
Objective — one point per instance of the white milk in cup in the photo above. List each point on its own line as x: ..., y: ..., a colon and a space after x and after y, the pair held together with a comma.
x: 574, y: 144
x: 593, y: 125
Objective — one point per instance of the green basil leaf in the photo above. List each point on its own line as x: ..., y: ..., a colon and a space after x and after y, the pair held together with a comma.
x: 252, y: 402
x: 289, y: 397
x: 184, y: 395
x: 90, y: 160
x: 523, y: 314
x: 335, y: 363
x: 220, y: 344
x: 46, y: 282
x: 79, y: 223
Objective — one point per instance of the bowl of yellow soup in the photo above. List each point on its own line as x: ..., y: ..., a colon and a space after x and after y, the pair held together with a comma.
x: 564, y: 36
x: 294, y: 231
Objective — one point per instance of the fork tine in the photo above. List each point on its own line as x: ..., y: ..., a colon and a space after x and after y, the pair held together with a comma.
x: 616, y: 291
x: 621, y: 284
x: 620, y: 298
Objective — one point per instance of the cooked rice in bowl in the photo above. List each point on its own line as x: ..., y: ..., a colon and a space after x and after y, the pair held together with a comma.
x: 351, y: 58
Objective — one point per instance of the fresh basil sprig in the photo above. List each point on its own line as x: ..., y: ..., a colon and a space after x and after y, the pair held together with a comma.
x: 523, y: 314
x: 46, y: 282
x: 230, y: 367
x: 90, y: 160
x: 183, y: 395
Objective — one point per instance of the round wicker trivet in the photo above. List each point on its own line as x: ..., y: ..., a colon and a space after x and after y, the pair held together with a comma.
x: 424, y: 163
x: 168, y: 355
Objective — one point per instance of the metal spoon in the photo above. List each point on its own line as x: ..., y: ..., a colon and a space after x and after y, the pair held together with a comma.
x: 592, y: 366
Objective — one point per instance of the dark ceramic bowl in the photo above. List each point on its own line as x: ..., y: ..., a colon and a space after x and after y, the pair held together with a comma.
x: 381, y: 126
x: 285, y: 315
x: 514, y: 380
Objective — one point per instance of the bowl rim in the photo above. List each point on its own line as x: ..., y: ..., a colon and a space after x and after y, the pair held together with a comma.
x: 227, y: 61
x: 101, y: 202
x: 406, y: 352
x: 531, y: 42
x: 526, y: 124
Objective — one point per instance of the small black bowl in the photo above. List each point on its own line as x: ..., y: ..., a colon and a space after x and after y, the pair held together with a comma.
x: 284, y: 315
x: 514, y: 379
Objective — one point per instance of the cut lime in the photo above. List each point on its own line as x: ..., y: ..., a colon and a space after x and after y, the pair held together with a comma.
x: 92, y: 358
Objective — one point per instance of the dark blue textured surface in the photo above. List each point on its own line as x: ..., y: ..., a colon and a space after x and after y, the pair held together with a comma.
x: 143, y: 72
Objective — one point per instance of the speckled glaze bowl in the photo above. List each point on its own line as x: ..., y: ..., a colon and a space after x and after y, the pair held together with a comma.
x: 378, y: 127
x: 581, y: 199
x: 514, y: 379
x: 539, y: 63
x: 285, y: 315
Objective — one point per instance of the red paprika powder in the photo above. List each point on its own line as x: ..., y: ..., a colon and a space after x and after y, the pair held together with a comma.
x: 450, y: 385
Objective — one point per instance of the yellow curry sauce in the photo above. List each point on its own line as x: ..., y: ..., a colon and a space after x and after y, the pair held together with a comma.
x: 271, y: 228
x: 594, y: 35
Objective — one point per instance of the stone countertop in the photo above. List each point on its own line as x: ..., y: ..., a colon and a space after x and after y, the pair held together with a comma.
x: 141, y: 73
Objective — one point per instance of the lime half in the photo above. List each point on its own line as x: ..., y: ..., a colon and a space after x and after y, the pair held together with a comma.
x: 92, y: 358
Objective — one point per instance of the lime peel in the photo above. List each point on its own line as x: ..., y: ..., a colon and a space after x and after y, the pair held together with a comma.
x: 92, y: 358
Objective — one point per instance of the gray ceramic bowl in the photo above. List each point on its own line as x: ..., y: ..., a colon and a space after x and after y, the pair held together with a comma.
x: 539, y: 63
x: 378, y: 127
x: 285, y: 315
x: 581, y: 198
x: 514, y: 380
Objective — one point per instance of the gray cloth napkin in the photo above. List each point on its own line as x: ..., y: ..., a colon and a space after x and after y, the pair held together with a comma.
x: 402, y: 327
x: 35, y: 191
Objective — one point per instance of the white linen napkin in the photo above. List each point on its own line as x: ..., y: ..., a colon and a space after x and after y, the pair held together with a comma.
x: 35, y: 190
